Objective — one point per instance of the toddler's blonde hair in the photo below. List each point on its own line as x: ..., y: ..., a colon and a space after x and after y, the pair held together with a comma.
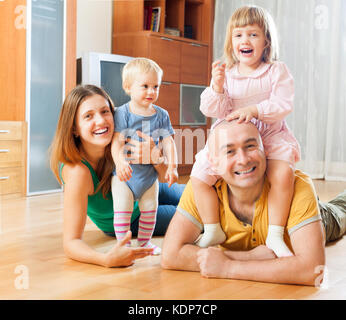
x: 249, y: 15
x: 136, y: 66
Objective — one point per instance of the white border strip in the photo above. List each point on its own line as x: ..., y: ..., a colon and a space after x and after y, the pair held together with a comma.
x: 334, y: 70
x: 28, y: 88
x: 64, y: 51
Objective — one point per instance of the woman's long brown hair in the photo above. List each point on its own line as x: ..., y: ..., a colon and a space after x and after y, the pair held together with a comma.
x: 65, y: 146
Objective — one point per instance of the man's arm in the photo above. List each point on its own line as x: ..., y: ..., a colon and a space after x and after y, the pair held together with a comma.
x: 302, y: 268
x: 178, y: 251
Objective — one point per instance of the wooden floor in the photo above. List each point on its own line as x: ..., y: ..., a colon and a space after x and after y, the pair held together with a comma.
x: 33, y: 264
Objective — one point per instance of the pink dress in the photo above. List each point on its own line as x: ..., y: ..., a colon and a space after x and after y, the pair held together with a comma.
x: 270, y: 87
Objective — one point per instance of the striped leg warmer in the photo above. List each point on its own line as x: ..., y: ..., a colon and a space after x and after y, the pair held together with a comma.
x: 148, y: 206
x: 123, y: 207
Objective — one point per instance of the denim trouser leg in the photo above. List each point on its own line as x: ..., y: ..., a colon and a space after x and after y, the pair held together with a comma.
x: 168, y: 200
x: 170, y: 195
x: 334, y: 217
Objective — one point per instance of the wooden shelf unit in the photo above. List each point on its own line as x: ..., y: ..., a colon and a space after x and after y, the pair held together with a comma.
x: 128, y: 16
x: 183, y: 60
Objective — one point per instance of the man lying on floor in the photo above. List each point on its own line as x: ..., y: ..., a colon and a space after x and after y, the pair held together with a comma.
x: 243, y: 206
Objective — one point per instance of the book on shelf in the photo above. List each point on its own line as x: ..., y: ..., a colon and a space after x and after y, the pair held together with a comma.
x: 152, y: 18
x: 147, y: 17
x: 156, y: 13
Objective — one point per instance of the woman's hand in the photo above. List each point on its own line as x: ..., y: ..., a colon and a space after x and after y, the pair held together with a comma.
x: 122, y: 256
x: 218, y: 75
x: 144, y: 152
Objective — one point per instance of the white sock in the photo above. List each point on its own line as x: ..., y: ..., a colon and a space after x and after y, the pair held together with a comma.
x: 156, y: 251
x: 213, y: 234
x: 275, y: 241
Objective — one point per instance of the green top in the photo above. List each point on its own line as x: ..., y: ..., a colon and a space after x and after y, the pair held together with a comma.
x: 100, y: 210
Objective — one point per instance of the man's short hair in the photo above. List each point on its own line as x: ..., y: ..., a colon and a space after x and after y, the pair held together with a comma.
x: 216, y: 132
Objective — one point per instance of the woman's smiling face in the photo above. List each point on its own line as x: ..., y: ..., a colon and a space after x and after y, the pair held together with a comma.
x: 94, y: 123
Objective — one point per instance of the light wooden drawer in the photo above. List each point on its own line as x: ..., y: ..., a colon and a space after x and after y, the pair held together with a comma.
x: 11, y: 154
x: 11, y: 180
x: 11, y: 130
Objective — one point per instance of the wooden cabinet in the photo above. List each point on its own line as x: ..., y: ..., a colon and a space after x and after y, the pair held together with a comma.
x: 169, y: 99
x: 184, y: 58
x: 194, y: 68
x: 166, y: 52
x: 12, y: 57
x: 12, y: 157
x: 182, y: 61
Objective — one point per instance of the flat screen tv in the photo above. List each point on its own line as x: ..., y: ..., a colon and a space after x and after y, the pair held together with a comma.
x: 104, y: 70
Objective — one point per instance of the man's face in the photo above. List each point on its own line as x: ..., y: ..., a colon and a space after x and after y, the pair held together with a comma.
x: 237, y: 155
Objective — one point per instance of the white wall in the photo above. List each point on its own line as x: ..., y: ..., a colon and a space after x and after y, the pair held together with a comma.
x: 94, y: 26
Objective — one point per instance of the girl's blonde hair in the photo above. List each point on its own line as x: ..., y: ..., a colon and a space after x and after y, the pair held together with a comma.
x: 249, y: 15
x: 65, y: 145
x: 136, y: 66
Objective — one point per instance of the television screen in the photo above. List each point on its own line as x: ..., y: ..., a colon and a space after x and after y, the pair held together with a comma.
x: 103, y: 70
x: 111, y: 81
x: 190, y: 113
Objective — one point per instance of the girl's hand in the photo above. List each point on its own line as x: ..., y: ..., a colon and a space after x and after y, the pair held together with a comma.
x: 243, y: 114
x: 124, y: 170
x: 218, y: 75
x: 171, y: 176
x: 122, y: 256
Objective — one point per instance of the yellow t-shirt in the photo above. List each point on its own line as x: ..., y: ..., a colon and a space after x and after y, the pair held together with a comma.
x: 242, y: 236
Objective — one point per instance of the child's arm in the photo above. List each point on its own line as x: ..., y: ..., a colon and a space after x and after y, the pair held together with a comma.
x: 280, y: 102
x: 170, y: 153
x: 218, y: 76
x: 215, y: 101
x: 123, y: 168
